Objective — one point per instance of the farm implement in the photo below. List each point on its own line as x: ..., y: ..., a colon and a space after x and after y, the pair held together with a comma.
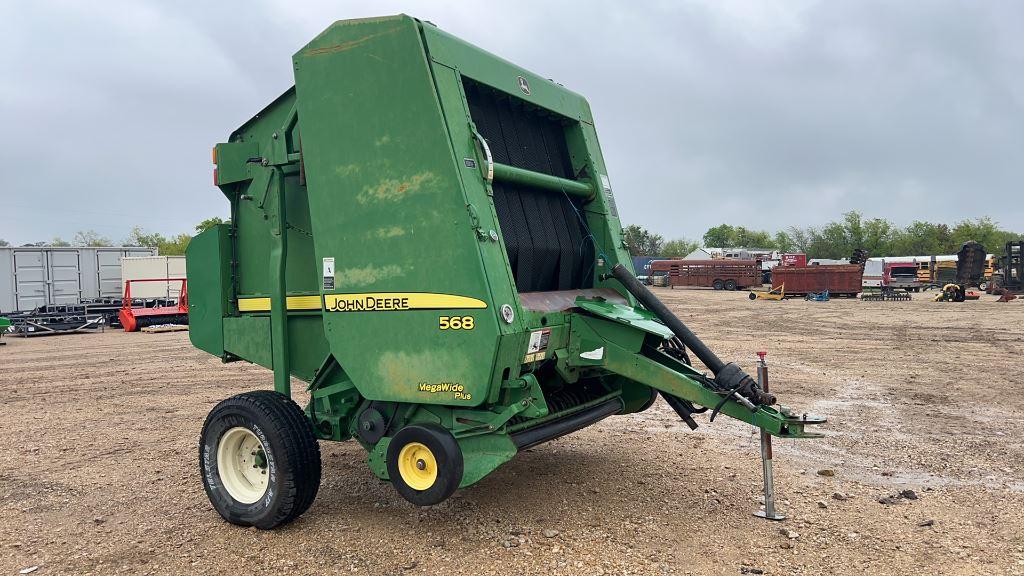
x: 426, y: 235
x: 137, y: 314
x: 776, y: 293
x: 885, y: 293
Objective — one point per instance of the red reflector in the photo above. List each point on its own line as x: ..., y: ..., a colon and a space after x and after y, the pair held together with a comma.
x: 214, y: 176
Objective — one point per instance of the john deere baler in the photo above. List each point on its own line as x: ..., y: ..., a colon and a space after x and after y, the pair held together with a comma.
x: 426, y: 235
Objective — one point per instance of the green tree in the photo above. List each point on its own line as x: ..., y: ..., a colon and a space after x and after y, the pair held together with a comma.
x: 801, y: 239
x: 720, y: 236
x: 783, y: 242
x: 640, y: 242
x: 922, y: 238
x: 59, y: 242
x: 678, y: 248
x: 139, y: 237
x: 90, y: 238
x: 4, y: 243
x: 983, y: 230
x: 173, y: 246
x: 879, y: 236
x: 750, y: 238
x: 209, y: 223
x: 828, y: 242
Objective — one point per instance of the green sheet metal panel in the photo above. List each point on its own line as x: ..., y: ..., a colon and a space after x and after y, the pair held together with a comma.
x: 386, y: 204
x: 248, y: 337
x: 208, y: 288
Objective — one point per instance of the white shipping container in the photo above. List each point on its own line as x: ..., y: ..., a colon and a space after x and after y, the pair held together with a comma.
x: 32, y: 276
x: 141, y: 267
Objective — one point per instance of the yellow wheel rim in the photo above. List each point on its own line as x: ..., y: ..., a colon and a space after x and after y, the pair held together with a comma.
x: 417, y: 465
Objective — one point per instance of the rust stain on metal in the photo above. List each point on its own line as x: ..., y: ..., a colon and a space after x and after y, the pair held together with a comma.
x: 350, y: 44
x: 390, y: 189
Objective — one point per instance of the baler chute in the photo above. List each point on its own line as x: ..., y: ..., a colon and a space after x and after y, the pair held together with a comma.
x: 435, y: 249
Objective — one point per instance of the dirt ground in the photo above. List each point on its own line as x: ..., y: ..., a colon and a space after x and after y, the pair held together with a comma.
x: 99, y: 473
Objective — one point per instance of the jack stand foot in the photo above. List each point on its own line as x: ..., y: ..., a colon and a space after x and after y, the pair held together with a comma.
x: 769, y: 512
x: 763, y: 514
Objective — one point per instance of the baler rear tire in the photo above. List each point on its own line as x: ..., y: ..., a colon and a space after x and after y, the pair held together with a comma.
x: 446, y: 463
x: 292, y: 457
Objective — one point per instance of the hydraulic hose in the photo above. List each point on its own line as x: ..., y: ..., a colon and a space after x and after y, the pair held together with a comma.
x: 728, y: 376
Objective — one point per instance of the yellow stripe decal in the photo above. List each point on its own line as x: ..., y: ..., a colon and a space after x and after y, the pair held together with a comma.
x: 397, y: 301
x: 294, y: 303
x: 368, y: 302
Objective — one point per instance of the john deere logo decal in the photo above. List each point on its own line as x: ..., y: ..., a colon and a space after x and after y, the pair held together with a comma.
x: 523, y: 85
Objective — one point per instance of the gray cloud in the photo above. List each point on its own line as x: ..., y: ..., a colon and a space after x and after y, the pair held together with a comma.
x: 761, y: 114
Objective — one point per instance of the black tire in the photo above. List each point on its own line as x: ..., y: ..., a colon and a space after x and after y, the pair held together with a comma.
x: 730, y: 285
x: 718, y: 284
x: 753, y: 296
x: 292, y: 457
x: 447, y: 456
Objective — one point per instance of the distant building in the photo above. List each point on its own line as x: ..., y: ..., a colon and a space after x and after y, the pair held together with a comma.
x: 702, y: 254
x: 736, y: 253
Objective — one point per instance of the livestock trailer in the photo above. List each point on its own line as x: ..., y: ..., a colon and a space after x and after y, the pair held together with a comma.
x: 34, y: 276
x: 838, y: 279
x: 719, y: 273
x: 426, y: 236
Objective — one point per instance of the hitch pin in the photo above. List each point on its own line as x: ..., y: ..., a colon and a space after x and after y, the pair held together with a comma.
x: 769, y: 512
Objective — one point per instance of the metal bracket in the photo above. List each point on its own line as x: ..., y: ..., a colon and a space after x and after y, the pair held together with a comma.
x: 488, y: 159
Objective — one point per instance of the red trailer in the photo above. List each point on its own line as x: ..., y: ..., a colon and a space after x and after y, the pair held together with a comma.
x: 838, y: 279
x: 793, y: 260
x: 720, y: 274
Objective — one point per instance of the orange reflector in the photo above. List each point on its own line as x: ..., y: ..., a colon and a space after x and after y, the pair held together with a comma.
x: 213, y: 154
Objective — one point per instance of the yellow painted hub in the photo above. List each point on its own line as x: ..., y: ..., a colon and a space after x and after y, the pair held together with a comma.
x: 417, y: 465
x: 242, y: 462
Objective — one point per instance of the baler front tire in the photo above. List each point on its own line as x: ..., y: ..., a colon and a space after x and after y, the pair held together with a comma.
x: 424, y: 463
x: 290, y: 456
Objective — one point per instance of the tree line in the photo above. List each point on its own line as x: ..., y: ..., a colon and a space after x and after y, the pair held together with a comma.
x: 837, y: 239
x: 166, y: 245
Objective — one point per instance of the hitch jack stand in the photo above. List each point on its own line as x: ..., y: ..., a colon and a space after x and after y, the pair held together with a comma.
x: 769, y: 512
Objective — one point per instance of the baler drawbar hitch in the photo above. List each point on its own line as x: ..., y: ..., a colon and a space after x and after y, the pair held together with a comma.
x: 729, y: 378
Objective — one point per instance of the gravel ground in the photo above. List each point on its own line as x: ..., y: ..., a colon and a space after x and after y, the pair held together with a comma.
x: 922, y: 469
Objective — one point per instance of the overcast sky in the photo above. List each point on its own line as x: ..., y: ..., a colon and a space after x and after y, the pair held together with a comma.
x: 765, y: 114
